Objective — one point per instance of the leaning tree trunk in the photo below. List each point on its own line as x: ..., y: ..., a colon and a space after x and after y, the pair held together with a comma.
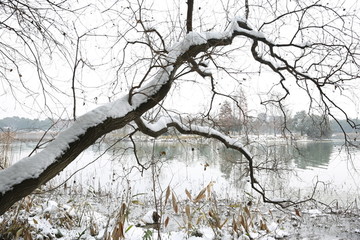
x: 69, y: 144
x: 28, y: 185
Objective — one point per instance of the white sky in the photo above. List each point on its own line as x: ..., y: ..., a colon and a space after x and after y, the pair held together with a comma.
x: 94, y: 83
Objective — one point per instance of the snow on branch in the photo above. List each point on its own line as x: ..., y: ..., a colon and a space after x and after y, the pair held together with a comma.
x: 32, y: 167
x: 161, y: 126
x: 25, y: 176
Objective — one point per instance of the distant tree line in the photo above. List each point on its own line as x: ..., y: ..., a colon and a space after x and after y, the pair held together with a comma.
x: 310, y: 125
x: 304, y: 123
x: 20, y: 123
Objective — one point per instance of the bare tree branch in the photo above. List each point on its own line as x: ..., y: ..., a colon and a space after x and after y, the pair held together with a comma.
x: 247, y: 9
x: 162, y: 125
x: 320, y: 55
x: 189, y: 17
x: 91, y: 126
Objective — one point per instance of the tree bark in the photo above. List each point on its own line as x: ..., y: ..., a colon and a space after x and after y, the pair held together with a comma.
x: 82, y: 142
x: 189, y: 16
x: 75, y: 148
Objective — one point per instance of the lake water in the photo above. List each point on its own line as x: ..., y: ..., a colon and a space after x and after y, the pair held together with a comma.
x: 194, y: 163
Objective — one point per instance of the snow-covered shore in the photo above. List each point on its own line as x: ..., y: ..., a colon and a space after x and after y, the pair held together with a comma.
x: 58, y: 216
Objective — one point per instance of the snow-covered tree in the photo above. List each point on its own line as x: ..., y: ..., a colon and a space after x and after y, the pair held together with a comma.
x: 300, y: 123
x: 226, y: 119
x: 63, y: 58
x: 314, y: 126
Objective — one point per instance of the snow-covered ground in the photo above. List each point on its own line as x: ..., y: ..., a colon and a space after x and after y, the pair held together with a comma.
x: 55, y: 216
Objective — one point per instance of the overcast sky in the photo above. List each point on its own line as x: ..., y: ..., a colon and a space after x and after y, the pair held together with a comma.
x: 95, y: 79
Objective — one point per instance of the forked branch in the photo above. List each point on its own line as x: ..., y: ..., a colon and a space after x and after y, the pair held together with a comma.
x: 156, y: 129
x: 43, y: 166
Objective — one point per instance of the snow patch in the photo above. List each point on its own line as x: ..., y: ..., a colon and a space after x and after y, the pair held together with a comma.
x: 43, y: 225
x: 313, y: 211
x: 51, y: 207
x: 148, y: 217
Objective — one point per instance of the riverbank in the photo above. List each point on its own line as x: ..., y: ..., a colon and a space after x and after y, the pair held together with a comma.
x: 57, y: 215
x: 89, y: 193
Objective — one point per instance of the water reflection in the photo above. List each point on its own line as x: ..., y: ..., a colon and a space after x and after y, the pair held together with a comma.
x: 314, y: 154
x: 304, y: 154
x: 192, y: 164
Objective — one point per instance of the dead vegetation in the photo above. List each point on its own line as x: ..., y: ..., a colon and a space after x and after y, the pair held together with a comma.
x: 6, y: 139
